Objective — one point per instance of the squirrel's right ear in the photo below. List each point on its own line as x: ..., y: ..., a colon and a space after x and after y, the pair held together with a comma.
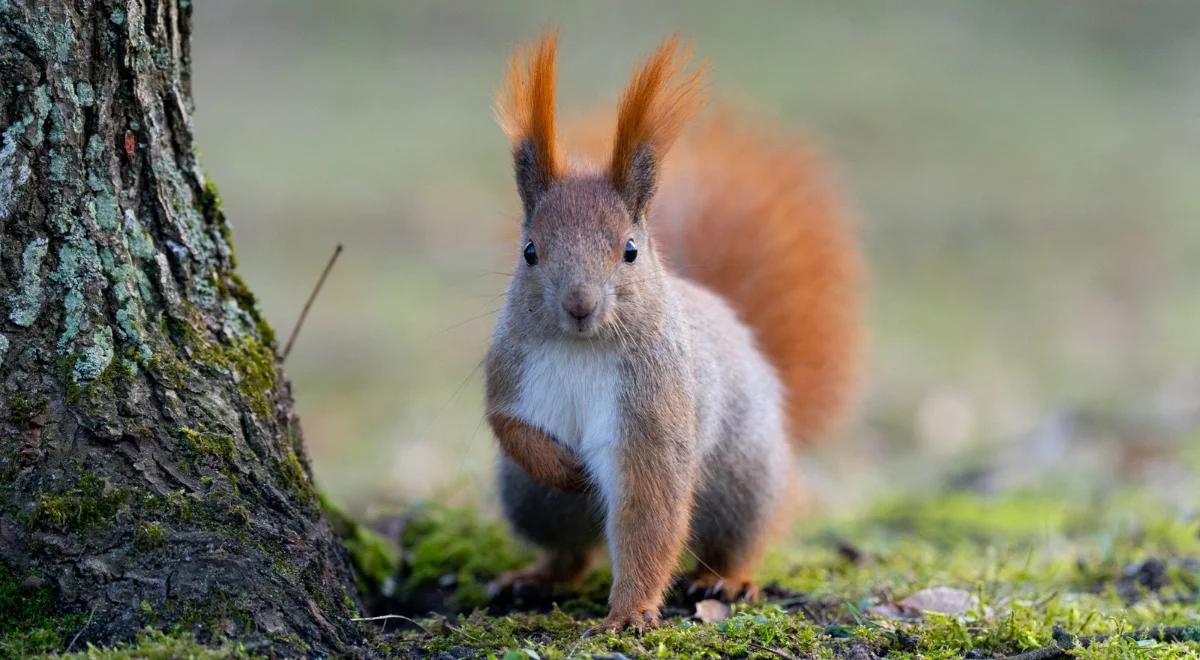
x: 654, y: 110
x: 525, y: 108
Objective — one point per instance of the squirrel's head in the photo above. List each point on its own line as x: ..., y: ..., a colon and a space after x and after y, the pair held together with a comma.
x: 587, y: 267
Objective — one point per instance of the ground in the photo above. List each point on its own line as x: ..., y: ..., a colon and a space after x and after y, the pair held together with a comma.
x: 1033, y: 568
x: 1029, y: 563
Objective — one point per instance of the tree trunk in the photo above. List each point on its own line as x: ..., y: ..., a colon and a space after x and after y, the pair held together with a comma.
x: 151, y: 467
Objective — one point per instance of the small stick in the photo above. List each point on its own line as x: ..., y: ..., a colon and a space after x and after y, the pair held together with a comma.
x: 311, y: 297
x: 385, y: 617
x: 81, y: 629
x: 388, y: 617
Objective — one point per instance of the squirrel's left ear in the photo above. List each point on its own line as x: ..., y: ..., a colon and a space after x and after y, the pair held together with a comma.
x: 653, y: 111
x: 525, y: 108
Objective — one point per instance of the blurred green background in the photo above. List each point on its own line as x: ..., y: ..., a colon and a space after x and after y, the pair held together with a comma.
x: 1026, y: 176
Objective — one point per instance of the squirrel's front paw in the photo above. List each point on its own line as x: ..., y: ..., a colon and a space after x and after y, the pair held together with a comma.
x: 640, y: 619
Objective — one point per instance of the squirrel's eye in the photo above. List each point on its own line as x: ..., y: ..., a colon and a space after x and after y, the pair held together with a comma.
x: 530, y: 254
x: 630, y: 251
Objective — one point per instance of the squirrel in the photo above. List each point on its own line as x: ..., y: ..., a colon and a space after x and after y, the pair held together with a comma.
x: 654, y: 366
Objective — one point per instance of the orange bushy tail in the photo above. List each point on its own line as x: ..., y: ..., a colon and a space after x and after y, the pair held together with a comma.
x: 753, y: 219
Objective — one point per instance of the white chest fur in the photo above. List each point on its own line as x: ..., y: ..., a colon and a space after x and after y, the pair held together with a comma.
x: 570, y: 390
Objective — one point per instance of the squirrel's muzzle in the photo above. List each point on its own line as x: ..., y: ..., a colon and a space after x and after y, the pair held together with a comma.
x: 581, y: 302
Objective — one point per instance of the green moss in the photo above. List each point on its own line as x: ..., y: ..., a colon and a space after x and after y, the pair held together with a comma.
x: 1124, y: 647
x: 442, y: 541
x: 88, y: 505
x: 376, y: 560
x: 240, y: 292
x: 104, y: 387
x: 170, y: 369
x: 28, y: 620
x: 150, y: 535
x: 220, y: 510
x: 1037, y: 563
x: 251, y: 359
x: 175, y: 506
x: 20, y: 605
x: 212, y: 208
x: 210, y: 200
x: 239, y: 514
x: 282, y: 566
x: 217, y: 613
x: 22, y: 410
x: 205, y: 444
x: 83, y: 383
x: 766, y: 631
x: 294, y: 477
x: 179, y: 330
x: 255, y: 363
x: 349, y: 604
x: 754, y: 632
x: 159, y: 645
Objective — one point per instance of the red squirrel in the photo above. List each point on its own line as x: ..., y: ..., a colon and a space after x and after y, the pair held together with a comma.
x: 673, y: 329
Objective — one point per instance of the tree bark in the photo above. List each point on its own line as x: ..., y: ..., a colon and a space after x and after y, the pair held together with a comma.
x: 152, y: 471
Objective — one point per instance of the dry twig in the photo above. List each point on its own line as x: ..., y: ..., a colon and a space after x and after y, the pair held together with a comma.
x: 311, y: 297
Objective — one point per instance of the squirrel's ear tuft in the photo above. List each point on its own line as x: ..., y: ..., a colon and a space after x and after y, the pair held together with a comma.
x: 653, y: 111
x: 525, y: 109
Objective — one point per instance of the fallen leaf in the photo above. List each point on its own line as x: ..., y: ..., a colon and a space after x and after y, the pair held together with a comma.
x: 711, y: 611
x: 942, y: 600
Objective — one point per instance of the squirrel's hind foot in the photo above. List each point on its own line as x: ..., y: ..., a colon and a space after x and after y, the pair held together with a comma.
x: 728, y: 590
x: 556, y: 568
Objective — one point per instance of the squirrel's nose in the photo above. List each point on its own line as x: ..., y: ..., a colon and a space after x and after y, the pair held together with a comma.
x: 580, y: 303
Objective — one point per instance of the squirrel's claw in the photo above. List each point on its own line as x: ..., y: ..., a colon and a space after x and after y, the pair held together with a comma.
x: 748, y: 592
x: 728, y: 591
x: 715, y: 589
x: 640, y: 620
